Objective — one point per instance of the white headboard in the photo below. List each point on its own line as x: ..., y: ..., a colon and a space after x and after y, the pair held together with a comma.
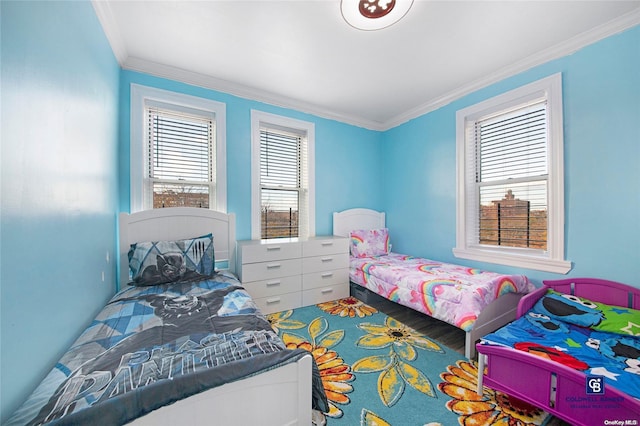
x: 348, y: 220
x: 175, y: 223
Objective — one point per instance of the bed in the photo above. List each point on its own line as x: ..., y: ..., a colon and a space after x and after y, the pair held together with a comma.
x: 185, y: 345
x: 473, y: 300
x: 574, y: 351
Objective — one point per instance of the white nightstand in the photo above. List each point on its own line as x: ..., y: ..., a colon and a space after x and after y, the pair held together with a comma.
x: 283, y: 274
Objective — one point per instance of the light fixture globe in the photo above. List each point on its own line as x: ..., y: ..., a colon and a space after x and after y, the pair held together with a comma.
x: 371, y: 15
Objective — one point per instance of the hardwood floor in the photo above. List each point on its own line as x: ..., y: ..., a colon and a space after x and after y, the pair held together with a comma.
x: 443, y: 333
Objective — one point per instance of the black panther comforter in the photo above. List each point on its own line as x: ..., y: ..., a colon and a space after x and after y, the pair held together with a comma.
x: 151, y: 346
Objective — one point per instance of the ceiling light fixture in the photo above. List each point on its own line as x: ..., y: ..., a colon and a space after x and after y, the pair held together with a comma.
x: 370, y: 15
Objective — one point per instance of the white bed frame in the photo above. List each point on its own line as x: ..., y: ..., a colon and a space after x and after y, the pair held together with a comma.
x: 280, y: 396
x: 500, y: 312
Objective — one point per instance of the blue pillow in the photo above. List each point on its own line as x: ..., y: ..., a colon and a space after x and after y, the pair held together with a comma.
x: 569, y: 309
x: 162, y: 262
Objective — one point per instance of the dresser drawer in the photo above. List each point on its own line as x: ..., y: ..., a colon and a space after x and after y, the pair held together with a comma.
x: 323, y: 246
x: 269, y: 270
x: 274, y: 286
x: 325, y: 278
x: 254, y: 252
x: 281, y: 302
x: 325, y: 263
x: 325, y: 294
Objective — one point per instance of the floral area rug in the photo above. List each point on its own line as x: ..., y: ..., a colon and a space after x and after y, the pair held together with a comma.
x: 378, y: 371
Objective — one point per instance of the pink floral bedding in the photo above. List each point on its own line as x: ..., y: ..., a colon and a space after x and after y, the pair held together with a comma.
x: 451, y: 293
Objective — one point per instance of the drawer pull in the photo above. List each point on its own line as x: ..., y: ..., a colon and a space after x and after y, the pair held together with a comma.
x: 273, y: 266
x: 272, y: 301
x: 273, y: 248
x: 327, y: 243
x: 326, y: 290
x: 327, y: 275
x: 273, y: 283
x: 326, y: 259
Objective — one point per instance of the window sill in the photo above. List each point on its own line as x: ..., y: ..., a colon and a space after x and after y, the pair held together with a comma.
x: 510, y: 259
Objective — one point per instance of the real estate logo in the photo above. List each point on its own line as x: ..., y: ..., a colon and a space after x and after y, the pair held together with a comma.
x: 595, y: 385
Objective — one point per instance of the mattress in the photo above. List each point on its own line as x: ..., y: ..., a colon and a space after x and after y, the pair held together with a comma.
x: 448, y: 292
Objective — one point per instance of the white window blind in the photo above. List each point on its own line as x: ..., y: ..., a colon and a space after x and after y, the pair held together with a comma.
x: 510, y: 178
x: 181, y: 159
x: 282, y: 177
x: 176, y: 184
x: 511, y: 173
x: 281, y: 182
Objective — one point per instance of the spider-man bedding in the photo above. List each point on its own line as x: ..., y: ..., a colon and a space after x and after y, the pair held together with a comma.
x: 153, y: 345
x: 597, y: 345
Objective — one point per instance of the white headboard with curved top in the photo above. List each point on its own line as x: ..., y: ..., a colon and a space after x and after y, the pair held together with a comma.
x: 348, y: 220
x: 176, y: 223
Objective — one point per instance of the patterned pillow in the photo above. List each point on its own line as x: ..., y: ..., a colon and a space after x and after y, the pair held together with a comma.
x: 586, y: 313
x: 162, y: 262
x: 369, y: 242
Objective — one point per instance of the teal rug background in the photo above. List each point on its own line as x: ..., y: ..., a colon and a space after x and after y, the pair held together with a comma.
x: 410, y: 406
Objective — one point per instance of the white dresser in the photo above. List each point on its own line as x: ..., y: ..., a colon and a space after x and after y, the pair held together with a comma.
x: 283, y: 274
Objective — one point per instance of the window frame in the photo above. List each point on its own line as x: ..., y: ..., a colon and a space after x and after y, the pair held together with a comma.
x: 263, y: 119
x: 552, y: 259
x: 141, y: 96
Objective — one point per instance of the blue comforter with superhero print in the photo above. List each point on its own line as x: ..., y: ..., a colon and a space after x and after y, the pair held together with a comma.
x: 151, y: 346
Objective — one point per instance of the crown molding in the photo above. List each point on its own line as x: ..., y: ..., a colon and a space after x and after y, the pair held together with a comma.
x: 565, y: 48
x: 111, y: 30
x: 243, y: 91
x: 109, y: 25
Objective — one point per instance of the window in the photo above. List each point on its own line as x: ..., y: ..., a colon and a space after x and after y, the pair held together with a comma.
x: 282, y: 173
x: 177, y: 151
x: 510, y: 200
x: 181, y: 158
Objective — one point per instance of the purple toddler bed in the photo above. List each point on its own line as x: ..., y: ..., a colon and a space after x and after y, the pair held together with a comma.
x: 574, y: 351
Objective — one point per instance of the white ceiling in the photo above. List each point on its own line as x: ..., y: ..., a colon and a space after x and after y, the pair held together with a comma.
x: 303, y: 55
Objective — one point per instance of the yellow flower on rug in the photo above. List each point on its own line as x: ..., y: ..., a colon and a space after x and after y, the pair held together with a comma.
x: 490, y: 408
x: 375, y: 370
x: 393, y: 332
x: 347, y: 307
x: 281, y: 320
x: 369, y: 418
x: 334, y: 372
x: 395, y: 370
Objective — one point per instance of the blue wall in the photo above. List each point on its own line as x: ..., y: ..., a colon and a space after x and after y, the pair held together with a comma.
x: 601, y: 94
x: 65, y: 177
x: 340, y: 151
x: 59, y: 184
